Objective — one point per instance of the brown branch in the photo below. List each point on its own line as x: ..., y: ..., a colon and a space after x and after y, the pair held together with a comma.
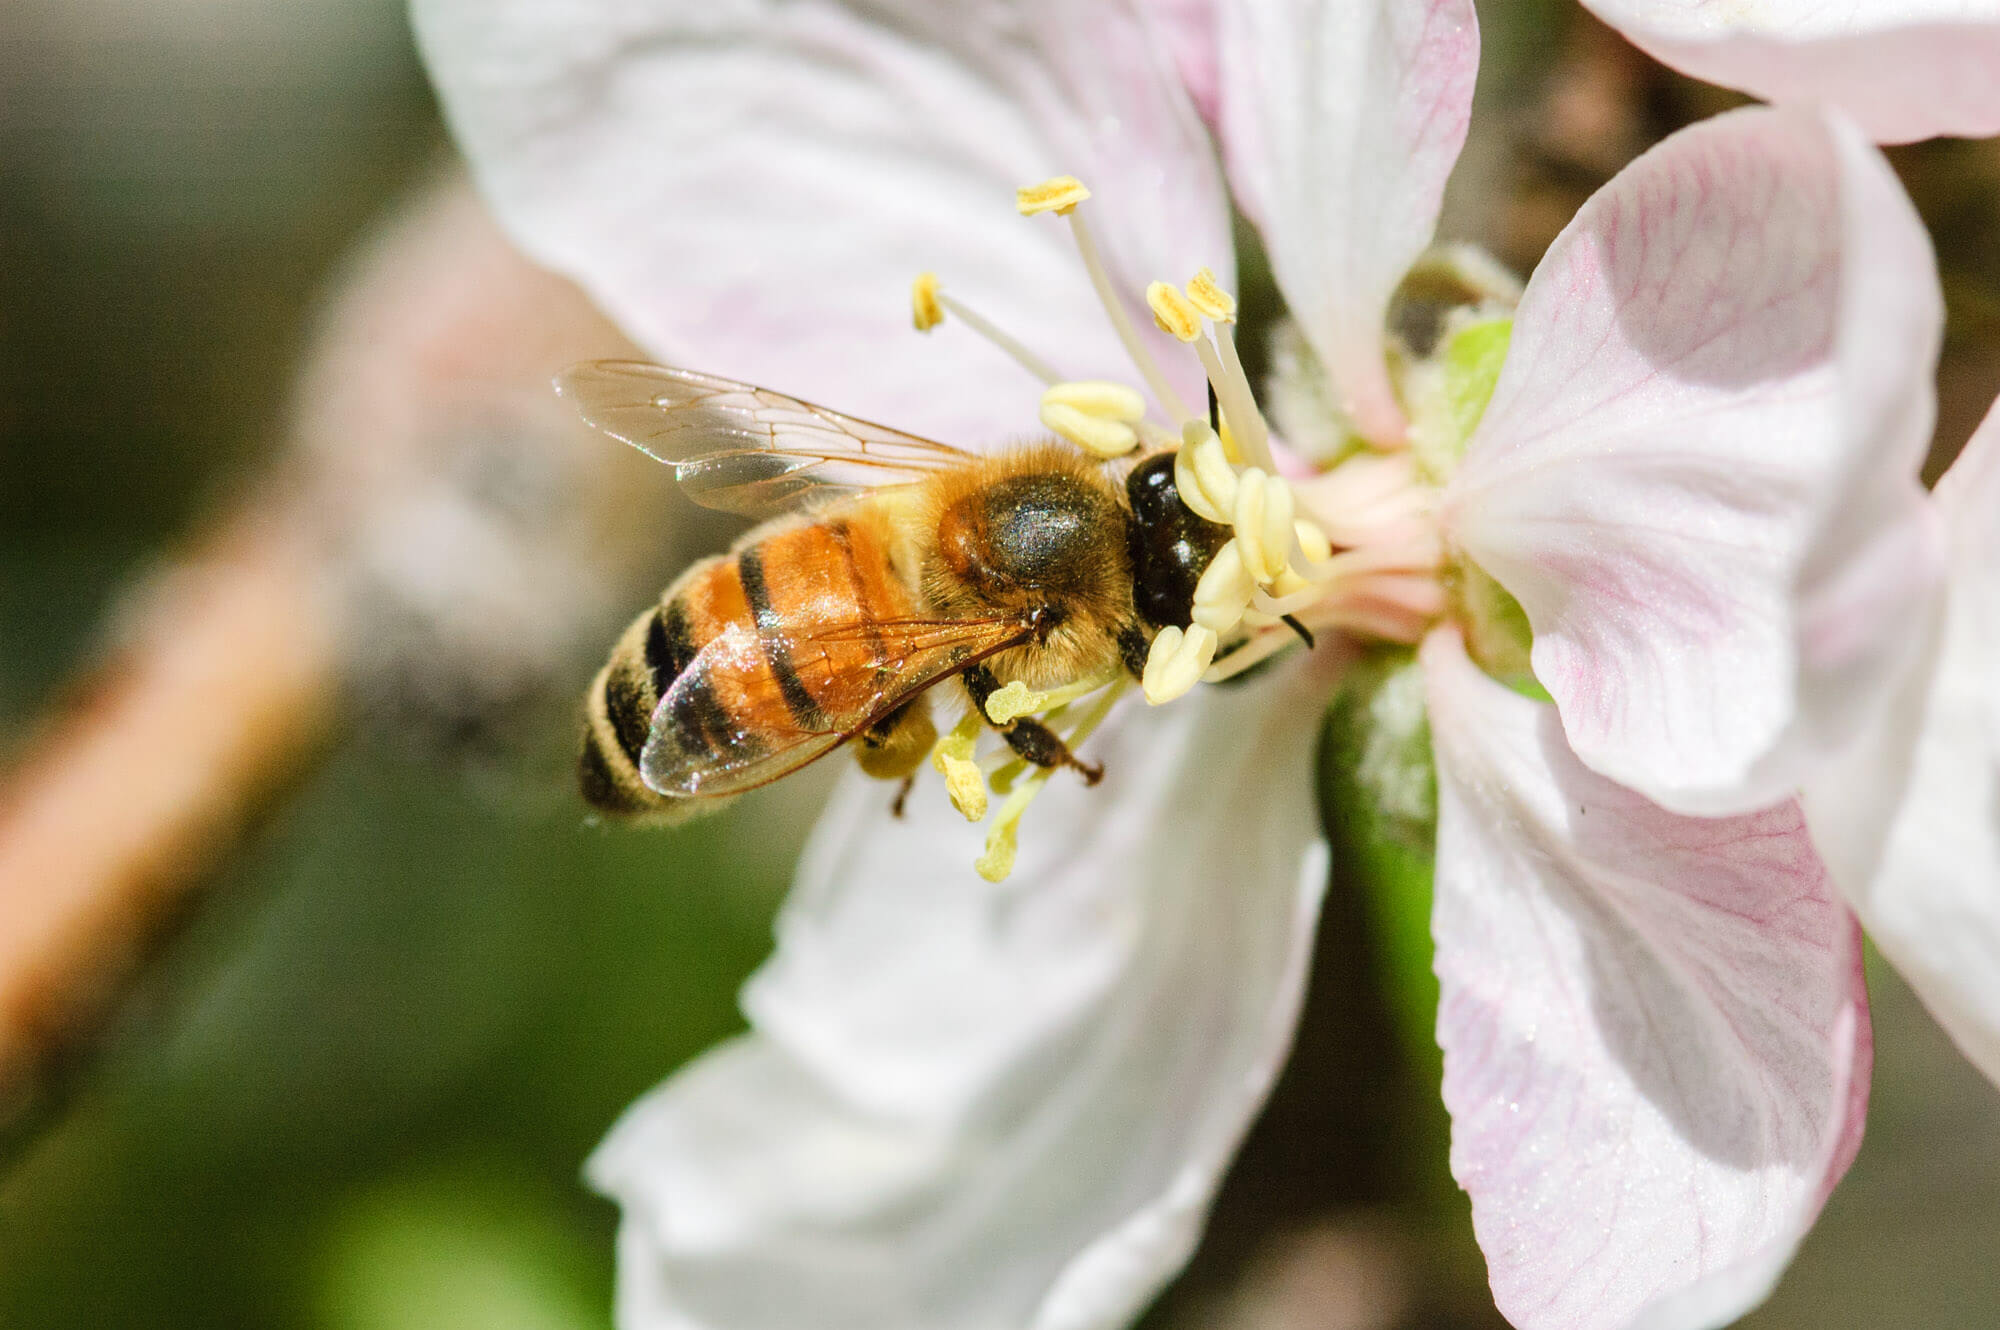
x: 136, y: 790
x: 427, y: 391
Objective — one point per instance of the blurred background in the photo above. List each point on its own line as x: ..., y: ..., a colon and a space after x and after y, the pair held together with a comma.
x: 301, y: 577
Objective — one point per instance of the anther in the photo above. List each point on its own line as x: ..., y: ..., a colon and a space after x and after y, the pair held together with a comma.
x: 925, y: 311
x: 1058, y: 194
x: 1224, y: 590
x: 1176, y: 315
x: 1206, y: 294
x: 1003, y: 841
x: 1099, y: 417
x: 1312, y: 541
x: 1203, y: 475
x: 1176, y: 662
x: 964, y: 783
x: 1263, y: 519
x: 1016, y: 699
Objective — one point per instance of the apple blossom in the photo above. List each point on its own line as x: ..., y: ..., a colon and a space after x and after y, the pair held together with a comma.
x: 1904, y: 69
x: 1909, y: 821
x: 1677, y: 482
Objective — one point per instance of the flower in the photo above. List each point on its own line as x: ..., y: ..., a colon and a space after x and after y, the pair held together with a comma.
x: 968, y: 1104
x: 1904, y: 69
x: 1909, y: 821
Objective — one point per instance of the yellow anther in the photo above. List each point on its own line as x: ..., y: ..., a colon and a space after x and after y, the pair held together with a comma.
x: 1058, y: 194
x: 1175, y: 314
x: 964, y: 783
x: 1003, y: 842
x: 925, y: 311
x: 1263, y: 523
x: 1203, y: 475
x: 1206, y: 294
x: 1096, y: 416
x: 1176, y: 662
x: 1288, y: 583
x: 1224, y: 590
x: 1100, y: 438
x: 1016, y: 699
x: 1230, y: 448
x: 1312, y: 540
x: 1101, y: 398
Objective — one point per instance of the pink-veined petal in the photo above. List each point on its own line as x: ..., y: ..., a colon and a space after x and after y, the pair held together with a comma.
x: 1340, y: 123
x: 1930, y: 894
x: 1655, y: 1030
x: 1903, y: 69
x: 1188, y: 28
x: 749, y: 187
x: 1698, y: 470
x: 967, y: 1105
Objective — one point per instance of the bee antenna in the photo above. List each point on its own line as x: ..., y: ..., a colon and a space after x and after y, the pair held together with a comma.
x: 1214, y: 410
x: 1291, y: 621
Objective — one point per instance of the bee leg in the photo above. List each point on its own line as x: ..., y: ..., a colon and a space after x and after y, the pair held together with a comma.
x: 903, y: 795
x: 894, y: 746
x: 1030, y: 739
x: 1037, y: 743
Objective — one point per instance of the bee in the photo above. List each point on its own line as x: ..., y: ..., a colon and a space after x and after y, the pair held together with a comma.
x: 888, y: 564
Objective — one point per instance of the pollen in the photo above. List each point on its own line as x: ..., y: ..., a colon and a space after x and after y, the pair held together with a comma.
x: 1175, y: 314
x: 1099, y: 417
x: 964, y: 783
x: 1058, y: 194
x: 1206, y: 294
x: 1016, y: 699
x: 926, y: 311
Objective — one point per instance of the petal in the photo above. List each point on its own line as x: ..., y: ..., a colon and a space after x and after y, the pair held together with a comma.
x: 1655, y: 1031
x: 1188, y: 28
x: 1698, y: 470
x: 1904, y: 69
x: 970, y: 1106
x: 751, y: 186
x: 1340, y: 123
x: 1931, y: 897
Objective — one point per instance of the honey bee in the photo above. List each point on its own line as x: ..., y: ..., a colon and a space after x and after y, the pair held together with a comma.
x: 888, y: 564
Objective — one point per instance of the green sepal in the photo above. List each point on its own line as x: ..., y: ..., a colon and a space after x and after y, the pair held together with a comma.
x: 1472, y: 358
x: 1378, y: 793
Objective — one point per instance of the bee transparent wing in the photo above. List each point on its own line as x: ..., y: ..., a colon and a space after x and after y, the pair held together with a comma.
x: 751, y: 707
x: 744, y: 449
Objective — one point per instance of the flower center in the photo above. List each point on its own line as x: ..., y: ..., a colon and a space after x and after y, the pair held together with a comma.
x: 1351, y: 545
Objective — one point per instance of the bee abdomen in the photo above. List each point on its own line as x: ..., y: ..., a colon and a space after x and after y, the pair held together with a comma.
x: 652, y: 652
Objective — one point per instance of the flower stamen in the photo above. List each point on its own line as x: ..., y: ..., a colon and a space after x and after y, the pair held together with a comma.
x: 964, y: 783
x: 1121, y: 320
x: 1003, y: 840
x: 1100, y: 417
x: 1058, y: 194
x: 929, y: 303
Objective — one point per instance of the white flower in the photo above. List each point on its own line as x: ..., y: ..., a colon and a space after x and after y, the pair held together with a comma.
x: 1904, y: 69
x: 969, y: 1105
x: 1909, y: 821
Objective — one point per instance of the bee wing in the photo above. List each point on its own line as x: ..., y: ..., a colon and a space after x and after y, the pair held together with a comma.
x: 751, y: 707
x: 744, y: 449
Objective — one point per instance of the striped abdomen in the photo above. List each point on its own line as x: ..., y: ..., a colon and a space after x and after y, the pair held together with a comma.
x: 777, y: 582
